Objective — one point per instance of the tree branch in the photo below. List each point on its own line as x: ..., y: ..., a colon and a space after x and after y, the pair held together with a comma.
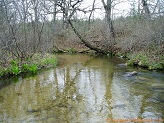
x: 84, y: 41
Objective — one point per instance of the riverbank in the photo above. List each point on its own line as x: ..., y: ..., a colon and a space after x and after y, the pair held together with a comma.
x: 15, y: 67
x: 144, y: 59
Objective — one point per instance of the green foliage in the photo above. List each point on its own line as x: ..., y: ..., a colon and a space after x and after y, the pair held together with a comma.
x: 140, y: 59
x: 154, y: 66
x: 110, y: 54
x: 6, y: 71
x: 72, y: 50
x: 28, y: 59
x: 1, y: 71
x: 46, y: 61
x: 50, y: 61
x: 121, y: 55
x: 14, y: 63
x: 25, y: 67
x: 145, y: 60
x: 57, y: 51
x: 15, y: 70
x: 30, y: 65
x: 33, y: 68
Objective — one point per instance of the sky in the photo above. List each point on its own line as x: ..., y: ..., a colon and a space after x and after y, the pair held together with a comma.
x: 122, y: 8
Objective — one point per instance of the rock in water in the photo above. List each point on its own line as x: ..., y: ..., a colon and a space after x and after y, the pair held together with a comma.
x: 122, y: 65
x: 129, y: 74
x: 134, y: 73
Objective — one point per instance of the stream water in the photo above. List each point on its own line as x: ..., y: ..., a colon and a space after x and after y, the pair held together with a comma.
x: 84, y: 89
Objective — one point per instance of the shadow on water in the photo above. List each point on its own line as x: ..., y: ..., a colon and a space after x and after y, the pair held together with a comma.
x: 84, y: 89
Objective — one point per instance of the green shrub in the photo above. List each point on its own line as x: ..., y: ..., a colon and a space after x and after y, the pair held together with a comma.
x: 15, y: 70
x: 30, y: 65
x: 50, y: 61
x: 14, y: 63
x: 33, y: 68
x: 141, y: 59
x: 1, y: 71
x: 155, y: 66
x: 25, y: 67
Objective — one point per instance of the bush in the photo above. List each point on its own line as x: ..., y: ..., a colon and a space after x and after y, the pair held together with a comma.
x: 25, y: 67
x: 33, y: 68
x: 154, y: 66
x: 145, y: 59
x: 15, y: 70
x: 1, y: 71
x: 14, y: 67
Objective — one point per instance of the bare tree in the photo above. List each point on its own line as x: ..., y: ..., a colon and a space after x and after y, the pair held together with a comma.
x: 22, y: 34
x: 108, y: 10
x: 146, y: 9
x: 93, y: 6
x: 74, y: 7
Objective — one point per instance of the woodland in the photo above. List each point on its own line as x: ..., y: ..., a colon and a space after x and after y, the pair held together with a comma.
x: 32, y: 31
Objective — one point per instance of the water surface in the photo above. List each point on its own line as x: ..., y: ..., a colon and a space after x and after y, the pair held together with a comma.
x: 83, y: 89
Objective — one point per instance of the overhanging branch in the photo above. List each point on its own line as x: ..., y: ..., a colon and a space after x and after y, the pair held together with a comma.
x: 84, y: 41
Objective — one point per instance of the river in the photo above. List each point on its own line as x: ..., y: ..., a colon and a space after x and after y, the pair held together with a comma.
x: 84, y: 89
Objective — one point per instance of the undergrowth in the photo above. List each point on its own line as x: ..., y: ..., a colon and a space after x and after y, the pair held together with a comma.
x: 32, y: 65
x: 144, y: 59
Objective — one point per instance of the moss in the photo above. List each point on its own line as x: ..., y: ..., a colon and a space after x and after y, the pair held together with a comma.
x: 145, y: 59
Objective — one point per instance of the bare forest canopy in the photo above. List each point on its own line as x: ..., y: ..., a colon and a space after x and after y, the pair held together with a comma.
x: 31, y: 26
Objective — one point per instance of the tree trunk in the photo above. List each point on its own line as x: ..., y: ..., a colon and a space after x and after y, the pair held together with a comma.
x: 139, y: 9
x: 55, y: 10
x: 89, y: 21
x: 85, y: 42
x: 108, y: 10
x: 146, y: 9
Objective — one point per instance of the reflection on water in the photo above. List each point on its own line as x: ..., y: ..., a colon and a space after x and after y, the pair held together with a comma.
x: 83, y: 89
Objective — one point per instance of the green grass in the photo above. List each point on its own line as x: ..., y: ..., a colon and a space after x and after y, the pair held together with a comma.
x: 33, y: 68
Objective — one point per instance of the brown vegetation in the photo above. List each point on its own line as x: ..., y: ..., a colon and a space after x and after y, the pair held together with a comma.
x: 26, y: 29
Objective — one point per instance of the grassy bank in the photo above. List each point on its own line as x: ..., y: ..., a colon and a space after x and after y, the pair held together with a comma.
x: 15, y: 67
x: 149, y: 60
x: 152, y: 60
x: 146, y: 60
x: 141, y: 42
